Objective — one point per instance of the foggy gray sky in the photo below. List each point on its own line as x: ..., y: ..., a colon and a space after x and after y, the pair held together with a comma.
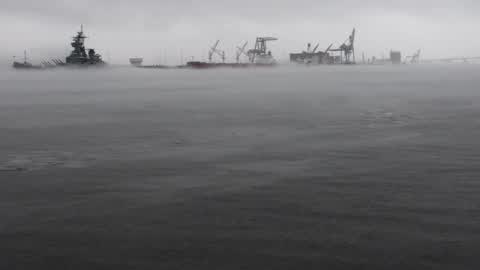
x: 120, y: 29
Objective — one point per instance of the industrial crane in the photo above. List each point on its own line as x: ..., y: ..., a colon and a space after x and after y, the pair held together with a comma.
x: 347, y: 49
x: 328, y: 48
x: 325, y: 55
x: 311, y: 51
x: 214, y: 50
x: 309, y: 54
x: 260, y: 49
x: 415, y: 58
x: 241, y: 51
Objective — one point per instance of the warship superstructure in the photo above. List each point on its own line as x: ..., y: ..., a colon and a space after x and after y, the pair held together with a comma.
x: 79, y: 55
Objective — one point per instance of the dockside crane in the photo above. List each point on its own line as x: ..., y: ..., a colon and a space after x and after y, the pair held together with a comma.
x: 326, y: 56
x: 309, y: 53
x: 309, y: 46
x: 347, y: 49
x: 415, y: 58
x: 214, y: 50
x: 260, y: 48
x: 241, y: 51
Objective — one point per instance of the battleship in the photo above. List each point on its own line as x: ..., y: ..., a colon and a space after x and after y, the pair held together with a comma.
x: 79, y: 57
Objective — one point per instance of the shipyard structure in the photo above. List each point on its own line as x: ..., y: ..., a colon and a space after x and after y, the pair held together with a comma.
x: 343, y: 54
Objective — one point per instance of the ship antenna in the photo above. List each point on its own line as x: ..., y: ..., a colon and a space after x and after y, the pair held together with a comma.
x: 81, y: 28
x: 25, y: 56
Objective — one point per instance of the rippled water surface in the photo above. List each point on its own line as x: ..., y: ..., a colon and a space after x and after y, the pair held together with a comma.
x: 285, y: 168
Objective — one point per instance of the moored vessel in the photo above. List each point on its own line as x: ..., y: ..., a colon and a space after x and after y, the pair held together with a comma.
x: 79, y: 55
x: 25, y: 64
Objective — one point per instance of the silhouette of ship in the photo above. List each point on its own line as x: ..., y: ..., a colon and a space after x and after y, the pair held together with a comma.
x: 79, y: 56
x: 25, y: 64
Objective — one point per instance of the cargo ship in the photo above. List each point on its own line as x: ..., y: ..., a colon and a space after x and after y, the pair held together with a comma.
x: 259, y: 56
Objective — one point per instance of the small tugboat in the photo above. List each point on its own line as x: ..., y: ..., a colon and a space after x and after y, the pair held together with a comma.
x: 79, y: 56
x: 25, y: 64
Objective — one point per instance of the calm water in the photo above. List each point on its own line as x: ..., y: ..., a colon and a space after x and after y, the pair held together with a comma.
x: 285, y: 168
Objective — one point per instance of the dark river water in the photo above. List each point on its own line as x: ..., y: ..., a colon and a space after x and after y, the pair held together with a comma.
x: 285, y: 168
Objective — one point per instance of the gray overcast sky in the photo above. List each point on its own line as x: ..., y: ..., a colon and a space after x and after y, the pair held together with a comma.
x: 120, y: 29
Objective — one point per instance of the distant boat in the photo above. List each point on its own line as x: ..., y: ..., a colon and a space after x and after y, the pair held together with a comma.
x: 136, y: 61
x: 25, y: 64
